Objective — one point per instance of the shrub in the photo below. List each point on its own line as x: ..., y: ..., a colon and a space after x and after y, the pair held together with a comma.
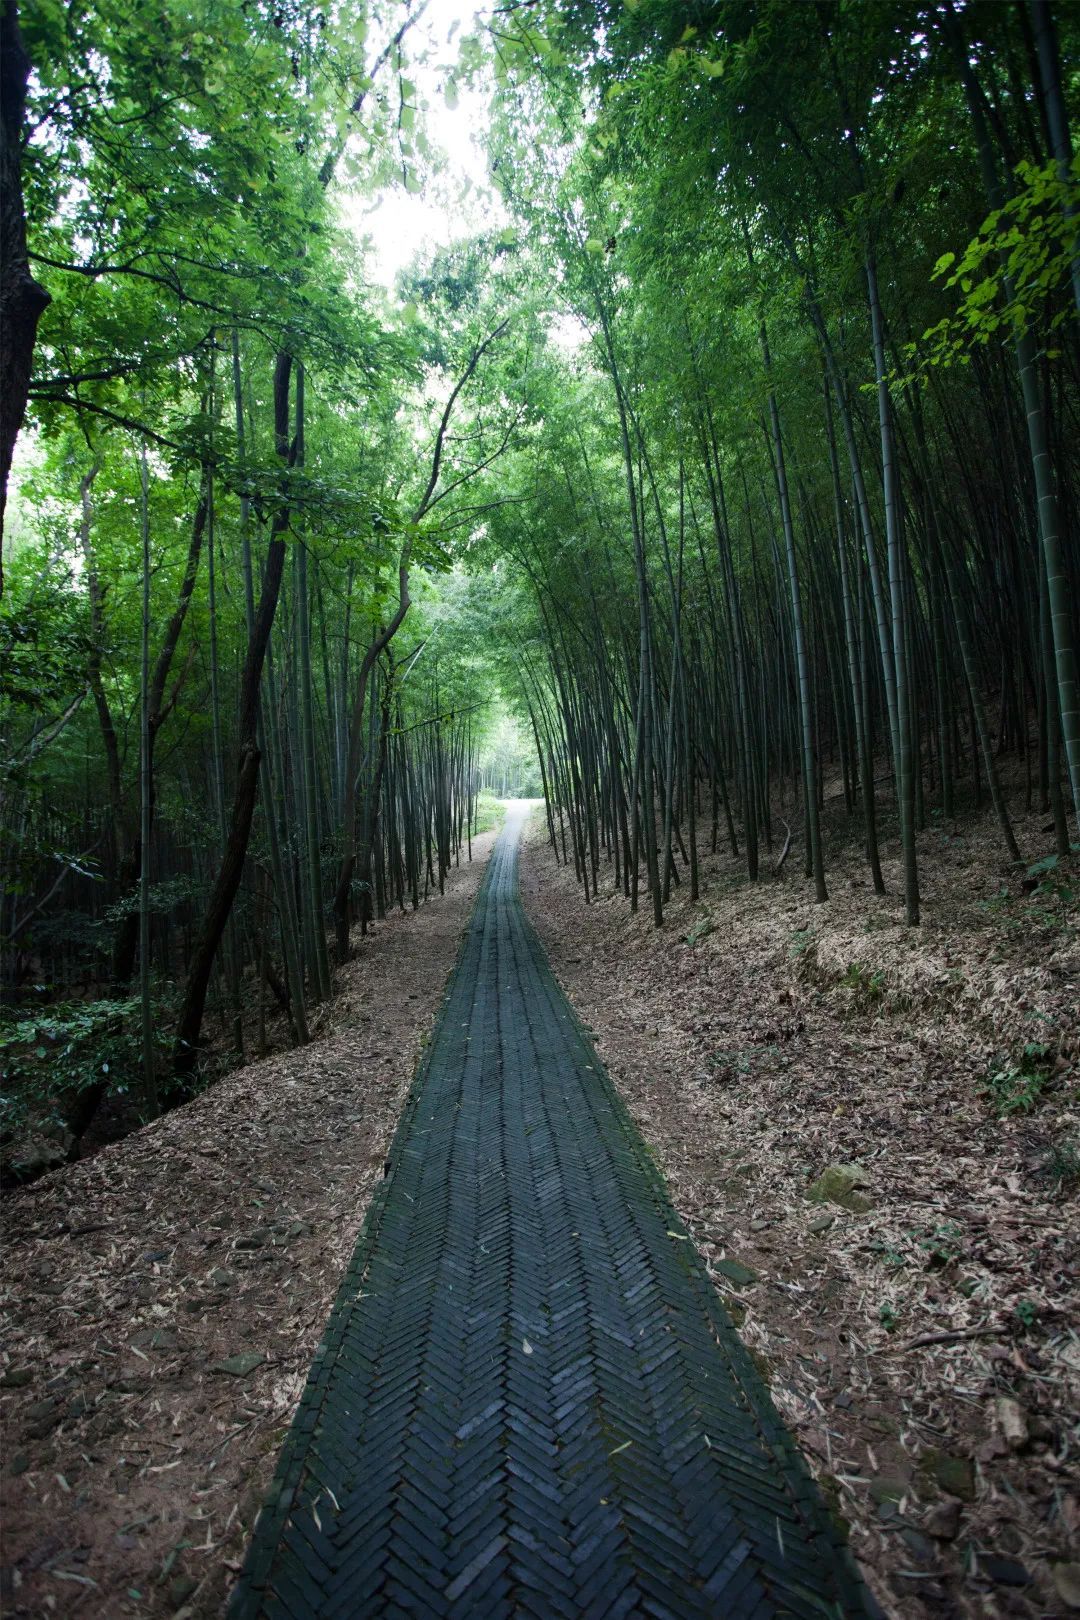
x: 49, y: 1056
x: 1062, y: 1165
x: 1016, y: 1088
x: 865, y: 986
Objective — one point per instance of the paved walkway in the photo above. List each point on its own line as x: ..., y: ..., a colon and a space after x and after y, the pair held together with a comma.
x: 528, y: 1400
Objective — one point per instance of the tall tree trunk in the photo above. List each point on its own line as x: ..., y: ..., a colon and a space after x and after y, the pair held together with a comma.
x: 106, y: 723
x: 855, y: 661
x: 149, y: 1065
x: 1046, y: 493
x: 230, y: 871
x: 268, y: 754
x: 125, y: 942
x: 1057, y: 122
x: 311, y: 864
x: 802, y: 659
x: 906, y: 758
x: 22, y: 299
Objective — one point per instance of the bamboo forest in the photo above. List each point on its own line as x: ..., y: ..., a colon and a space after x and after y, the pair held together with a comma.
x: 539, y: 793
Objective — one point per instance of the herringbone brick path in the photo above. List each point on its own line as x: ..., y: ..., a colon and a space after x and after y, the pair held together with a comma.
x: 528, y: 1400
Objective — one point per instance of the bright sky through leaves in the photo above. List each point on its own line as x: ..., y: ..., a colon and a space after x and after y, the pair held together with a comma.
x: 456, y: 200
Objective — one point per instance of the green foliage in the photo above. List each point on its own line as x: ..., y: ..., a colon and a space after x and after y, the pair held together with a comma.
x: 867, y: 985
x: 1049, y: 901
x: 931, y: 1247
x: 490, y: 814
x: 1022, y: 254
x: 888, y: 1316
x: 941, y: 1244
x: 701, y: 929
x: 51, y: 1055
x: 1053, y: 882
x: 507, y: 756
x: 43, y: 645
x: 1017, y: 1087
x: 163, y: 897
x: 890, y: 1254
x: 678, y: 185
x: 730, y: 1064
x: 1061, y: 1166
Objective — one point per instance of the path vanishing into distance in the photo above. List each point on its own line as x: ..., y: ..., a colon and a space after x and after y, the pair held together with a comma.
x: 528, y: 1400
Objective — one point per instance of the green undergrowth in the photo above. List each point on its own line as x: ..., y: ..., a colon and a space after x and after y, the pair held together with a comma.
x: 490, y: 814
x: 1047, y: 899
x: 700, y: 929
x: 867, y: 985
x: 50, y: 1056
x: 1061, y: 1166
x: 1017, y: 1086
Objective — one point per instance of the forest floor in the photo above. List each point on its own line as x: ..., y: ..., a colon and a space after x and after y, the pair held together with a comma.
x: 162, y: 1300
x: 922, y: 1346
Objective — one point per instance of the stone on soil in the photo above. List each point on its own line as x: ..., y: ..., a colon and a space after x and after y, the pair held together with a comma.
x: 840, y: 1184
x: 1067, y: 1582
x: 1012, y: 1421
x: 954, y: 1473
x: 157, y: 1339
x: 943, y: 1521
x: 43, y: 1417
x: 919, y: 1546
x: 1003, y: 1571
x: 742, y: 1276
x: 240, y: 1366
x: 181, y: 1589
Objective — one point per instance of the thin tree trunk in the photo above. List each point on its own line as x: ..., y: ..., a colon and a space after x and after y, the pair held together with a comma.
x: 802, y: 661
x: 150, y: 1085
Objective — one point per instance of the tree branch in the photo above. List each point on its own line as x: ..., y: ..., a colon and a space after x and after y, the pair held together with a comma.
x: 440, y: 438
x: 49, y: 731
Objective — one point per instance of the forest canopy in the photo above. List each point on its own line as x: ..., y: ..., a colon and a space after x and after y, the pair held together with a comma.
x: 721, y: 466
